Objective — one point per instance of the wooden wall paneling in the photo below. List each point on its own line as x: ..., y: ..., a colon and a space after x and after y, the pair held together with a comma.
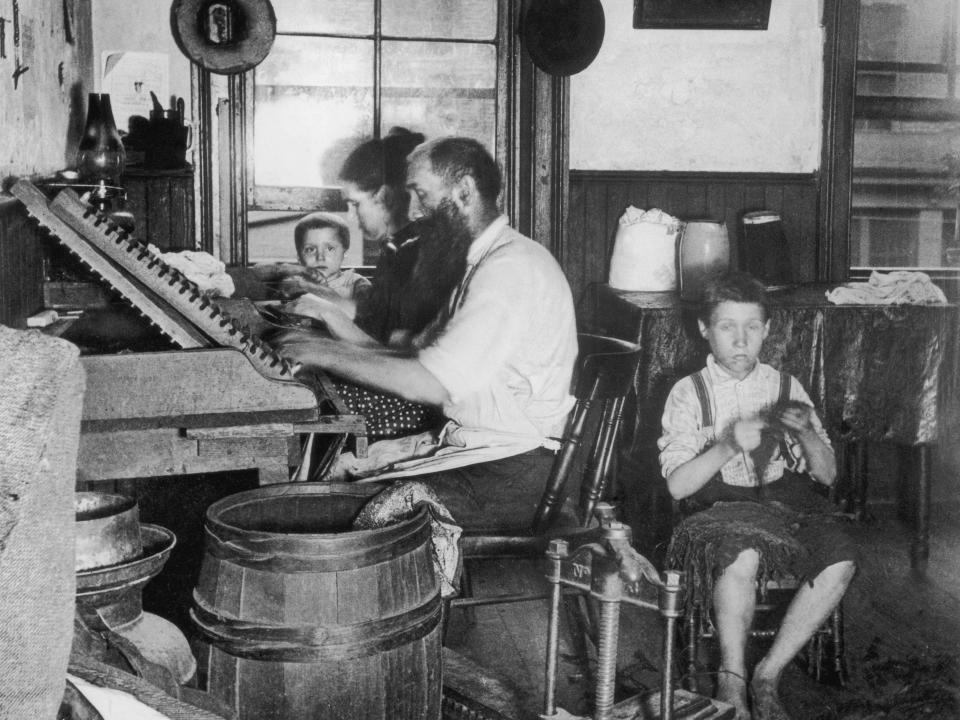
x: 162, y: 204
x: 574, y: 252
x: 696, y: 202
x: 182, y: 221
x: 601, y: 224
x: 733, y: 198
x: 716, y: 206
x: 21, y: 265
x: 137, y: 206
x: 7, y: 278
x: 598, y: 198
x: 754, y: 198
x: 160, y: 211
x: 802, y: 238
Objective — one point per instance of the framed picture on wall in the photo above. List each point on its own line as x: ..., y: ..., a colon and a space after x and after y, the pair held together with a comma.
x: 702, y: 14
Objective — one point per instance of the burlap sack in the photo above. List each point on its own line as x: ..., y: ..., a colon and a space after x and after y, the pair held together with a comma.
x: 41, y: 396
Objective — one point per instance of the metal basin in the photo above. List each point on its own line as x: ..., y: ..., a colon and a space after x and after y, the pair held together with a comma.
x: 107, y: 530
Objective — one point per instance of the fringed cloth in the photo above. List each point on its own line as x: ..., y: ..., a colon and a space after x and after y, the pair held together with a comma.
x: 707, y: 542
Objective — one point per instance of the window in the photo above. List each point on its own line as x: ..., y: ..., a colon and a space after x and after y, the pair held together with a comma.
x: 344, y: 70
x: 906, y: 156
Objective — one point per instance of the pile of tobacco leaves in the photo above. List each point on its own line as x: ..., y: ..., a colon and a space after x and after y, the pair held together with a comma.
x: 900, y: 688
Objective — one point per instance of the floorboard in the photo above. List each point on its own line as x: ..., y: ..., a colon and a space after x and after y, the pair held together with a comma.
x: 894, y: 618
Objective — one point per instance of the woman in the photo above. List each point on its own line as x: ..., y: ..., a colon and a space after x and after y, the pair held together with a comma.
x: 397, y: 306
x: 374, y: 186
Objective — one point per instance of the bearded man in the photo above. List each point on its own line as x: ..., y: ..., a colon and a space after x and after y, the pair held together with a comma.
x: 497, y: 359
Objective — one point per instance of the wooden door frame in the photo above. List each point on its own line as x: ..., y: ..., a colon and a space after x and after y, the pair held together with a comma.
x: 841, y: 29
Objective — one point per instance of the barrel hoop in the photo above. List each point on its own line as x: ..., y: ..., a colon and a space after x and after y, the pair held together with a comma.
x: 292, y: 556
x: 280, y: 643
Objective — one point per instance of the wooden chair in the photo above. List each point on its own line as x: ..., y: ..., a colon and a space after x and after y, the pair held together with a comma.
x: 606, y: 368
x: 824, y: 655
x: 823, y: 658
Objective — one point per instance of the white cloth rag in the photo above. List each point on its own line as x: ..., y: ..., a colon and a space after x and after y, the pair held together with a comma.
x: 900, y: 287
x: 633, y: 215
x: 115, y: 704
x: 203, y: 269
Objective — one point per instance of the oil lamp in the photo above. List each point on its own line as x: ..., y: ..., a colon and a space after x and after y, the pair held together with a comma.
x: 100, y: 154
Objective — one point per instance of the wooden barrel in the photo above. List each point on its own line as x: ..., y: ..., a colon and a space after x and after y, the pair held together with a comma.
x: 307, y: 618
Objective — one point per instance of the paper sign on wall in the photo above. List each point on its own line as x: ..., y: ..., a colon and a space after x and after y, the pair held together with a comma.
x: 129, y: 77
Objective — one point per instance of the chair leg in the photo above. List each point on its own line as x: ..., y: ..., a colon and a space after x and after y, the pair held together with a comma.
x: 466, y: 591
x: 825, y: 658
x: 583, y: 634
x: 839, y: 656
x: 692, y: 623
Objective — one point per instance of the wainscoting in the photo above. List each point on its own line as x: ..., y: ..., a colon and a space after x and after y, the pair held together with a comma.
x: 598, y: 199
x: 21, y: 265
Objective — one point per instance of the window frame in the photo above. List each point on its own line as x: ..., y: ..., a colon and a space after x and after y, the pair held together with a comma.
x: 287, y: 198
x: 532, y: 149
x: 842, y: 107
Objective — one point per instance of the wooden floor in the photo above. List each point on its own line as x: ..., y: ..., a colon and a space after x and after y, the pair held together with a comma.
x: 902, y: 635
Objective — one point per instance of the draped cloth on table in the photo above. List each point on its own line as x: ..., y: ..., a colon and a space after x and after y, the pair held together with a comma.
x: 879, y: 373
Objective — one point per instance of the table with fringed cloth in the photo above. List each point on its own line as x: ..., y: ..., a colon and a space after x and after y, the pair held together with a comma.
x: 880, y: 373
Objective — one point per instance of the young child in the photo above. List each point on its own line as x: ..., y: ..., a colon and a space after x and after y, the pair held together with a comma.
x: 742, y: 440
x: 322, y: 239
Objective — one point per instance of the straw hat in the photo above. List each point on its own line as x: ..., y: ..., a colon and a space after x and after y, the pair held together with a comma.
x: 222, y: 37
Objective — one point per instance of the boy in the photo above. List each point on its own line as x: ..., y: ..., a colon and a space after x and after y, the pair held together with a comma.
x: 741, y: 439
x: 322, y: 239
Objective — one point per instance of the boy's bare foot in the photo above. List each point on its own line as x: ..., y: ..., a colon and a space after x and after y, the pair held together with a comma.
x: 732, y: 689
x: 766, y: 701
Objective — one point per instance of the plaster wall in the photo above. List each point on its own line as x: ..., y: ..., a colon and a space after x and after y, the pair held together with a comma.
x: 139, y: 25
x: 702, y: 100
x: 44, y: 68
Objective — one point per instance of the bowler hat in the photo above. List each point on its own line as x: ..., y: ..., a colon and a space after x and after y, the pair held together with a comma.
x: 563, y: 36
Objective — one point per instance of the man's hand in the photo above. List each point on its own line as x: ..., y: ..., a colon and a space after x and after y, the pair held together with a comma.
x: 380, y: 368
x: 302, y: 347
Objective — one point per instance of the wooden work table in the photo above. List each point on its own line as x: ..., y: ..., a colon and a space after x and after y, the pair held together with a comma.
x: 874, y: 372
x: 179, y: 412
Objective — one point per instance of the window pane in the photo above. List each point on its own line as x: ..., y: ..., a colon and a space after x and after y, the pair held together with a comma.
x: 905, y: 194
x: 307, y: 112
x: 352, y: 17
x: 441, y: 89
x: 473, y: 20
x: 905, y: 172
x: 902, y: 84
x: 902, y: 30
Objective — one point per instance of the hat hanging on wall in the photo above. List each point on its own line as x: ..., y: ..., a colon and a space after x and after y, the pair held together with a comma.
x: 224, y: 36
x: 563, y: 36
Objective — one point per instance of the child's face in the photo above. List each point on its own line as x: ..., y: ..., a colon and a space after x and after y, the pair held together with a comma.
x: 322, y: 250
x: 736, y: 333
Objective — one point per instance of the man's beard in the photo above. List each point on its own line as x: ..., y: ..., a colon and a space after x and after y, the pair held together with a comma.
x: 441, y: 264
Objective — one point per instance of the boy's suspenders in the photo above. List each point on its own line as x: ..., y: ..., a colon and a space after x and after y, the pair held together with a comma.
x: 706, y: 407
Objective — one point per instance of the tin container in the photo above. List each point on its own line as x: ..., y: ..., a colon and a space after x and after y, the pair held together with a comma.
x: 107, y: 530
